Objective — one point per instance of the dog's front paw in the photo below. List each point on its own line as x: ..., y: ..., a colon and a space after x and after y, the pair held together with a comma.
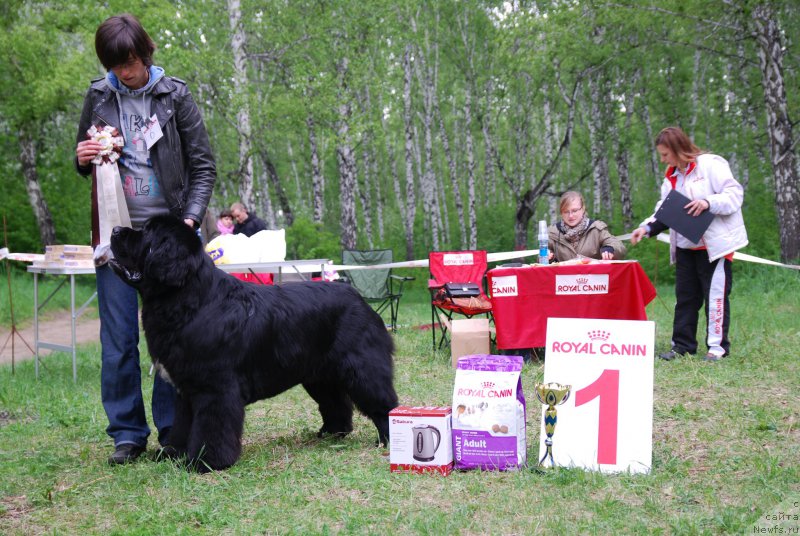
x: 168, y: 452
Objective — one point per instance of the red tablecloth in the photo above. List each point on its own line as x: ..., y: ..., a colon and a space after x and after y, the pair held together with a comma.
x: 523, y: 298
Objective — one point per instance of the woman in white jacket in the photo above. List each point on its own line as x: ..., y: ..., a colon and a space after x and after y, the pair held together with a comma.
x: 703, y: 269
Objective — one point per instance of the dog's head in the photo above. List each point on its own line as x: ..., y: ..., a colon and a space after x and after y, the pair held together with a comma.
x: 163, y: 254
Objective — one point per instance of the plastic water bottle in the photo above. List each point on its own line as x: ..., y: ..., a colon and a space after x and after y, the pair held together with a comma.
x: 543, y: 250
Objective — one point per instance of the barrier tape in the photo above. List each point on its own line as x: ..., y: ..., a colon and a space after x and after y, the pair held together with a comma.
x: 737, y: 255
x: 423, y: 263
x: 23, y: 257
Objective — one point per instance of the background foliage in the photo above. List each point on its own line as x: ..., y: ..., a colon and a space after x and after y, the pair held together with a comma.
x: 448, y: 142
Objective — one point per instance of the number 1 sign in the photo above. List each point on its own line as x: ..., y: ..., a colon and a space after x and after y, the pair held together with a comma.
x: 607, y: 422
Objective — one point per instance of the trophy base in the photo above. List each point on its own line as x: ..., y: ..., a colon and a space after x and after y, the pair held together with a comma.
x: 543, y: 466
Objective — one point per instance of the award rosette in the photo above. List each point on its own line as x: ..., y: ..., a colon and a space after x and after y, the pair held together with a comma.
x: 552, y: 395
x: 111, y: 207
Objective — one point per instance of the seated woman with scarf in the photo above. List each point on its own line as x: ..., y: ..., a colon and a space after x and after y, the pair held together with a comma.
x: 577, y: 236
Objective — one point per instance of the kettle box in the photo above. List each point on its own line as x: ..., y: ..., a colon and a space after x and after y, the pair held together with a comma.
x: 420, y: 440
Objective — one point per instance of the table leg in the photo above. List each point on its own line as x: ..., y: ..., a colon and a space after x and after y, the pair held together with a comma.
x: 36, y: 321
x: 73, y: 318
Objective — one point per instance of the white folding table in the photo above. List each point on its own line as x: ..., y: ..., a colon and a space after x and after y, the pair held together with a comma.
x: 69, y: 274
x: 294, y: 267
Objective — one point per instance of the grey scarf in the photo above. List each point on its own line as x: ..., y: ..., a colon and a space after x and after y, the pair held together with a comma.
x: 573, y: 234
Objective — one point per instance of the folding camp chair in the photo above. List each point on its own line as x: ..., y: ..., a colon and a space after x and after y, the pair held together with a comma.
x: 378, y: 286
x: 460, y: 267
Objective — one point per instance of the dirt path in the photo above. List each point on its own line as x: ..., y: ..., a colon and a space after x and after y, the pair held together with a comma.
x: 55, y: 329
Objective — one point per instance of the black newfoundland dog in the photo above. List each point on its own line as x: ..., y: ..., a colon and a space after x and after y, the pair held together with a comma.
x: 224, y: 343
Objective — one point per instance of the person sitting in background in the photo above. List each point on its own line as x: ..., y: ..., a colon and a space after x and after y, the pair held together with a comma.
x: 225, y: 222
x: 212, y: 226
x: 246, y: 224
x: 577, y: 236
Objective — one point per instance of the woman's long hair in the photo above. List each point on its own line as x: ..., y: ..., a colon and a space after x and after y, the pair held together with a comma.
x: 679, y: 143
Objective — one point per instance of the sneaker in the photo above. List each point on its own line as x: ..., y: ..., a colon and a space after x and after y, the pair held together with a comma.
x: 125, y: 453
x: 712, y: 357
x: 669, y: 356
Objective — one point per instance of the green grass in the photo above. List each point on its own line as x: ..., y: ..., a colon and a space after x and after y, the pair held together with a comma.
x: 726, y: 451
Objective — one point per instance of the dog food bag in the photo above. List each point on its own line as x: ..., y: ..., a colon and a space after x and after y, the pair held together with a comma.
x: 489, y: 430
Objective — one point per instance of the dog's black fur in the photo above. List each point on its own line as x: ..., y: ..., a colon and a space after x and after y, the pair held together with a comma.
x: 224, y: 343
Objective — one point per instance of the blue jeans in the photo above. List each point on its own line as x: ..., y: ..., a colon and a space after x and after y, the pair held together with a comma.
x: 121, y: 374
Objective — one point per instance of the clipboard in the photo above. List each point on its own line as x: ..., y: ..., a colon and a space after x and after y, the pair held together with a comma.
x: 672, y: 214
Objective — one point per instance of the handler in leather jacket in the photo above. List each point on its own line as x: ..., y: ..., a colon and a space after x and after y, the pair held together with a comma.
x: 181, y: 160
x: 166, y: 167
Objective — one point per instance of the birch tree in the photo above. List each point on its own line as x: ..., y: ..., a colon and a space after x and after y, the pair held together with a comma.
x: 240, y: 81
x: 782, y: 140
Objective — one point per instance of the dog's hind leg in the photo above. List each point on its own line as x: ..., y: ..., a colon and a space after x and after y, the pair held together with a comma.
x: 215, y: 441
x: 335, y: 407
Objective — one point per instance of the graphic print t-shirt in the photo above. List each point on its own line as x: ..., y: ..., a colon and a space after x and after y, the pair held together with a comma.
x: 142, y: 189
x: 139, y: 182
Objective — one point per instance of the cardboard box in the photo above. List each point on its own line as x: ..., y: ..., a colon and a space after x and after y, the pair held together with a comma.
x: 421, y: 440
x: 68, y: 256
x: 468, y: 336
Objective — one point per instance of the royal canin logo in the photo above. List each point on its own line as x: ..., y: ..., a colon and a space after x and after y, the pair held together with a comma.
x: 599, y: 345
x: 457, y: 259
x: 598, y: 335
x: 504, y: 286
x: 572, y: 284
x: 488, y: 385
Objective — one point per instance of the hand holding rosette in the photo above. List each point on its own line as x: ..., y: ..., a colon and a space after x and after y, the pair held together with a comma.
x: 110, y: 141
x: 112, y: 210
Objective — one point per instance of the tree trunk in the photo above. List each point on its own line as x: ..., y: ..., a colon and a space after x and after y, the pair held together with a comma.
x: 649, y: 149
x: 365, y: 191
x: 428, y: 182
x: 262, y: 200
x: 272, y: 176
x: 597, y: 137
x: 395, y: 178
x: 451, y: 167
x: 317, y: 179
x: 410, y: 198
x: 781, y: 137
x: 347, y: 163
x: 697, y: 75
x: 490, y: 183
x: 372, y: 172
x: 621, y: 142
x: 298, y: 191
x: 550, y: 134
x: 27, y: 158
x: 243, y: 113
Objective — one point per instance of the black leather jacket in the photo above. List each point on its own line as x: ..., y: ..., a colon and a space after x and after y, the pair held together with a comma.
x: 182, y: 159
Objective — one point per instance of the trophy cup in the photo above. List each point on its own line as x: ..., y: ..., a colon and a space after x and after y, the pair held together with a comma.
x: 551, y: 394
